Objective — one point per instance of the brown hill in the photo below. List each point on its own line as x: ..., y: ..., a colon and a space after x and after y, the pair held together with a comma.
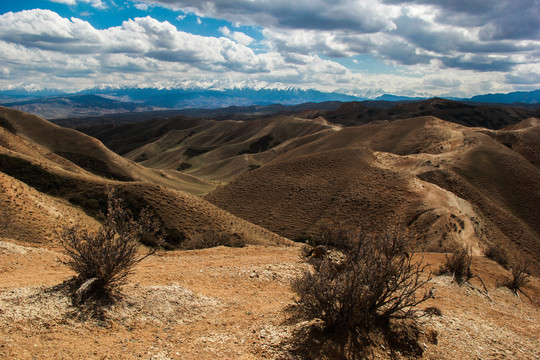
x: 487, y: 116
x: 522, y: 138
x: 214, y: 150
x: 67, y: 147
x: 42, y: 190
x: 446, y: 182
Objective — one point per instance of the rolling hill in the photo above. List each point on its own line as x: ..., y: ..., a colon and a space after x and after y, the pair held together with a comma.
x: 467, y: 114
x: 447, y: 183
x: 54, y: 176
x: 209, y: 149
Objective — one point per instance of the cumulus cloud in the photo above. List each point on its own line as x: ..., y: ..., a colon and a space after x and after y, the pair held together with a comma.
x: 497, y: 20
x: 237, y: 36
x: 98, y: 4
x: 359, y: 15
x: 38, y: 42
x: 145, y: 37
x: 454, y: 34
x: 489, y: 46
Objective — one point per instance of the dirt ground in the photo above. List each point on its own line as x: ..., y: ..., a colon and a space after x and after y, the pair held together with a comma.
x: 230, y: 303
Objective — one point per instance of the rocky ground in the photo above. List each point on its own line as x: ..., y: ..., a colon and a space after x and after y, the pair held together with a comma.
x: 231, y: 303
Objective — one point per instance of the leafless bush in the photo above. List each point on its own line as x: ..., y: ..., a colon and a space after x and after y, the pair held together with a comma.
x: 458, y: 264
x: 376, y: 279
x: 213, y: 238
x: 520, y: 277
x: 337, y: 235
x: 104, y: 259
x: 497, y: 254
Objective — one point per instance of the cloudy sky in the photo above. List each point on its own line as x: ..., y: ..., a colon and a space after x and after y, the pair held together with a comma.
x: 360, y: 47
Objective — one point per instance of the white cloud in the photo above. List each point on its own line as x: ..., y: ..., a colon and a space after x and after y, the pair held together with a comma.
x: 425, y: 54
x: 98, y: 4
x: 67, y: 2
x: 237, y: 36
x: 141, y: 6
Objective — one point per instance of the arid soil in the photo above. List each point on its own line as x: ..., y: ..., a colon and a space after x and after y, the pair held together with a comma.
x: 231, y: 303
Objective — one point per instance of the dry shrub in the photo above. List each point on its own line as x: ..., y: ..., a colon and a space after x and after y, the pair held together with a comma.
x: 105, y: 258
x: 458, y: 265
x: 497, y: 254
x: 334, y: 234
x: 213, y: 238
x: 520, y: 277
x: 375, y: 280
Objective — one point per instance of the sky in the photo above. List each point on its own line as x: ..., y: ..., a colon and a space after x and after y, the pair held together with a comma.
x: 359, y: 47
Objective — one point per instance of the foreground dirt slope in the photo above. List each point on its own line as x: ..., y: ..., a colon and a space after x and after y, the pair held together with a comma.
x: 231, y: 304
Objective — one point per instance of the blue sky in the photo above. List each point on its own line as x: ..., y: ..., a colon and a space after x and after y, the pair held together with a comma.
x: 360, y: 47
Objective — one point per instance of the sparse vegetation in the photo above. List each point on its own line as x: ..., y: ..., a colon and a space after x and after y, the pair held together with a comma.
x: 212, y: 238
x: 104, y: 259
x: 520, y: 277
x: 497, y: 254
x: 458, y: 265
x: 5, y: 220
x: 375, y: 280
x: 338, y: 235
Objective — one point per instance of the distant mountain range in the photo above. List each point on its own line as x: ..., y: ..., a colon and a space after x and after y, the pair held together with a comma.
x: 52, y: 104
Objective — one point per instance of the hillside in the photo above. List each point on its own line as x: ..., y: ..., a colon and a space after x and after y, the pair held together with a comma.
x: 209, y: 149
x: 41, y: 186
x: 76, y: 105
x: 446, y: 182
x: 478, y: 115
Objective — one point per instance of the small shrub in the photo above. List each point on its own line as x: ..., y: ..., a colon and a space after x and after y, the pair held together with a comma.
x: 498, y: 255
x: 520, y: 277
x: 375, y: 280
x: 254, y: 167
x: 104, y: 259
x: 458, y: 264
x: 336, y: 235
x: 433, y: 311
